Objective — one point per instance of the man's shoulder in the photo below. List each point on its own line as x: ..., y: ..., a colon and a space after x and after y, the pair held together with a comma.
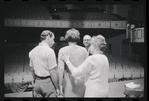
x: 48, y: 50
x: 32, y: 50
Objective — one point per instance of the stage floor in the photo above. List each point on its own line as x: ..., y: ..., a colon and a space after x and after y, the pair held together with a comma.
x: 116, y: 89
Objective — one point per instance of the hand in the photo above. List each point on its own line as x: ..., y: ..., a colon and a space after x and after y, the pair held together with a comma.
x: 57, y: 92
x: 33, y: 83
x: 60, y: 96
x: 61, y: 91
x: 64, y: 57
x: 78, y: 80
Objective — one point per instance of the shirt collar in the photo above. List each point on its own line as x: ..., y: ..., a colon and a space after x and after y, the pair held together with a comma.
x: 43, y: 44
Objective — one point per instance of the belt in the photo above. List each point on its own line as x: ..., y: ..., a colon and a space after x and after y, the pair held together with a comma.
x: 40, y: 77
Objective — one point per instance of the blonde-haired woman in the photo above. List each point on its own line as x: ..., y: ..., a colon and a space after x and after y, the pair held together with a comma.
x: 69, y: 85
x: 95, y: 66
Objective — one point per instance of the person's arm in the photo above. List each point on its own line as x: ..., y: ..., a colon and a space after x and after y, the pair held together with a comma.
x: 32, y: 71
x: 54, y: 77
x: 84, y: 68
x: 51, y: 59
x: 60, y: 72
x: 33, y: 74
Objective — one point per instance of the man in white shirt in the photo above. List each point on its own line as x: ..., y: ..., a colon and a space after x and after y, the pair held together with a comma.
x: 44, y: 67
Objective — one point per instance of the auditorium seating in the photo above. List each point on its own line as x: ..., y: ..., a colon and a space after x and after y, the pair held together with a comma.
x: 23, y: 73
x: 118, y: 76
x: 112, y: 65
x: 27, y: 78
x: 17, y: 78
x: 86, y: 15
x: 8, y: 79
x: 124, y: 69
x: 39, y: 11
x: 142, y: 74
x: 118, y: 66
x: 111, y: 77
x: 136, y: 74
x: 17, y: 62
x: 34, y: 11
x: 16, y: 68
x: 128, y: 75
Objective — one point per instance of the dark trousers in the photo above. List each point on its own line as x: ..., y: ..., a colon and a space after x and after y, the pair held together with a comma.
x: 44, y: 87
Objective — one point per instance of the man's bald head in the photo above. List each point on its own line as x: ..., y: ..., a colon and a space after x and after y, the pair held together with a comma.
x: 87, y: 37
x: 86, y: 40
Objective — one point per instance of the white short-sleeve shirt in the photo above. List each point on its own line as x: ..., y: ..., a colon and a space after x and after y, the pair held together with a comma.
x: 42, y: 59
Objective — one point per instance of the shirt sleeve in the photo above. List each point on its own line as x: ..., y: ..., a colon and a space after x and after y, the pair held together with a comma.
x: 51, y: 59
x: 30, y: 60
x: 30, y: 63
x: 84, y: 68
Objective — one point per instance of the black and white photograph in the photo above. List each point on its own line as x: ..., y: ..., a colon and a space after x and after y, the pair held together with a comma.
x: 77, y: 50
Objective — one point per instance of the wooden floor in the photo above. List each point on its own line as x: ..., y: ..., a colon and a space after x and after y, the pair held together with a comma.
x: 116, y: 89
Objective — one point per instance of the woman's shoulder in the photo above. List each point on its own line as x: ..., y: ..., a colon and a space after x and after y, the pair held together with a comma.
x: 81, y: 47
x: 97, y: 56
x: 91, y: 57
x: 64, y: 49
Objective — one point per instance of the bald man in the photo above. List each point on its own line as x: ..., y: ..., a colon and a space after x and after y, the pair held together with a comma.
x: 86, y: 41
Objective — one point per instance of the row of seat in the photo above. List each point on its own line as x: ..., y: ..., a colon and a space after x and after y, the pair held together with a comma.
x: 30, y: 11
x: 86, y: 15
x: 27, y: 77
x: 41, y: 12
x: 121, y: 68
x: 123, y: 61
x: 119, y: 76
x: 126, y: 74
x: 18, y: 79
x: 91, y: 6
x: 17, y: 64
x: 17, y: 60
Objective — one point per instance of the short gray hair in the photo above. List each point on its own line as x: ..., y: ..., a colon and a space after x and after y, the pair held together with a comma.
x: 45, y: 33
x: 72, y: 35
x: 99, y: 42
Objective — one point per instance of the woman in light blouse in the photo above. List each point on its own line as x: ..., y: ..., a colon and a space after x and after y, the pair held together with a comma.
x: 72, y: 86
x: 95, y: 66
